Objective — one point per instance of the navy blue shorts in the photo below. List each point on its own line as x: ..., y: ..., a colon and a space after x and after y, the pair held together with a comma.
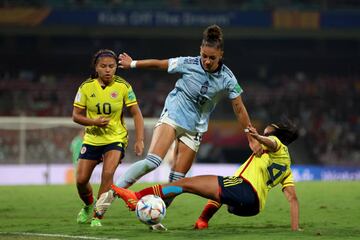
x: 239, y: 195
x: 90, y: 152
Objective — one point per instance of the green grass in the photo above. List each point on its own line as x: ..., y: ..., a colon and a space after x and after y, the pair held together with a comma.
x: 328, y: 210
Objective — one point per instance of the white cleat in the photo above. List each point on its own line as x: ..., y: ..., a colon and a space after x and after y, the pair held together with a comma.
x: 104, y: 202
x: 158, y: 227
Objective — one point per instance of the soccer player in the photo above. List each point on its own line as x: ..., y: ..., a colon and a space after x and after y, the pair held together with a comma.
x: 204, y: 80
x: 98, y: 106
x: 75, y: 147
x: 246, y: 192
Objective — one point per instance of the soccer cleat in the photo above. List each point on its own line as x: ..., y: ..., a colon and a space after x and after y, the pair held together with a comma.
x: 158, y: 227
x: 84, y: 214
x: 201, y: 224
x: 104, y: 202
x: 95, y: 222
x: 128, y: 196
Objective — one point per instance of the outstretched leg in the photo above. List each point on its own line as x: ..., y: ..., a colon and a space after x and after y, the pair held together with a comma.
x: 162, y: 139
x: 205, y: 186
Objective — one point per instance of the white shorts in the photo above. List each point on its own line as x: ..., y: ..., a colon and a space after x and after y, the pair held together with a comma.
x: 190, y: 139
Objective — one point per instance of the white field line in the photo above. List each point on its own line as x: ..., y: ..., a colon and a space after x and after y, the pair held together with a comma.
x: 56, y: 235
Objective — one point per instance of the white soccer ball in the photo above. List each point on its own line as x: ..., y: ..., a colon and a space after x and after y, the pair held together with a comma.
x: 150, y: 209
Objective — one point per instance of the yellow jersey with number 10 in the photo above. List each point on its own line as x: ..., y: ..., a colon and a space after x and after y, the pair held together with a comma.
x: 107, y: 102
x: 267, y: 171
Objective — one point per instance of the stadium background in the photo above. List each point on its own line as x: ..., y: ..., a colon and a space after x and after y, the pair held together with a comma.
x: 290, y: 56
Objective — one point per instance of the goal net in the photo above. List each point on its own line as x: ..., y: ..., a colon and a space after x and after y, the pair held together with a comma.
x: 39, y: 140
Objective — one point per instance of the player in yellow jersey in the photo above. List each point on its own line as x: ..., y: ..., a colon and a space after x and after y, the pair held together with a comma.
x: 245, y: 193
x: 98, y: 106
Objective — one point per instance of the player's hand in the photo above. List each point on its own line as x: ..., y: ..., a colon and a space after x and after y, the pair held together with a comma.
x: 253, y: 143
x: 101, y: 121
x: 124, y: 61
x: 253, y: 132
x: 139, y: 147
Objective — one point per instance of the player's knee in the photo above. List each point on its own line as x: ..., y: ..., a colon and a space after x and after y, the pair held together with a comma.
x: 81, y: 180
x: 107, y: 175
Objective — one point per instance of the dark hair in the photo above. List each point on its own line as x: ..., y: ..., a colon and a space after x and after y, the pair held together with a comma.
x: 286, y: 131
x: 103, y: 53
x: 213, y: 37
x: 99, y: 54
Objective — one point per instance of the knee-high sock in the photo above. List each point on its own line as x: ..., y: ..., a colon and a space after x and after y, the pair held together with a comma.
x: 158, y: 190
x: 209, y: 210
x: 138, y: 169
x: 173, y: 176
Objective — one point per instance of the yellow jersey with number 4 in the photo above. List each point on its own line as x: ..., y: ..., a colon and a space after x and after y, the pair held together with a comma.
x: 107, y: 102
x: 267, y: 171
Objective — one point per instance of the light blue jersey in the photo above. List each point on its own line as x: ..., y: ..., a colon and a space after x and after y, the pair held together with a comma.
x: 197, y: 92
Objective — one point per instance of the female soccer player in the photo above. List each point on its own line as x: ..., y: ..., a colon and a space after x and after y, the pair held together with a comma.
x: 246, y: 192
x: 98, y: 106
x: 204, y: 81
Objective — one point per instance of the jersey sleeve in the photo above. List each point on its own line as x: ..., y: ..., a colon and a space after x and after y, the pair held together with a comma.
x: 176, y: 65
x: 130, y: 97
x: 80, y: 99
x: 278, y: 143
x: 288, y: 180
x: 233, y: 88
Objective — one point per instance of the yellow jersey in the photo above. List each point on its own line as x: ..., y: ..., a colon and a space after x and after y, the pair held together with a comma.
x: 267, y: 171
x: 107, y: 102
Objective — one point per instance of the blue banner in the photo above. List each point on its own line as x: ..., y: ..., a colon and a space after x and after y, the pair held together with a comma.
x: 247, y: 19
x: 323, y: 173
x: 146, y: 18
x: 340, y: 19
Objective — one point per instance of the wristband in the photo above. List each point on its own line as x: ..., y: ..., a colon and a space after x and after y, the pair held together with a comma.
x: 133, y: 64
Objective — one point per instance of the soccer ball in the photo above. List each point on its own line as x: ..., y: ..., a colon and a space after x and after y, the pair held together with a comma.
x: 150, y: 209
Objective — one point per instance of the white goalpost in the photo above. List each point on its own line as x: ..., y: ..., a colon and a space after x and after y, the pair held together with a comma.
x: 36, y: 150
x: 32, y: 140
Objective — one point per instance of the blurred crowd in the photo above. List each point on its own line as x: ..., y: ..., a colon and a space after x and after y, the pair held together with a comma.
x: 324, y: 107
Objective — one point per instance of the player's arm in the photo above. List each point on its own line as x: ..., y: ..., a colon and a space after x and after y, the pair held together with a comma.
x: 290, y: 195
x: 270, y: 143
x: 139, y: 129
x: 126, y: 62
x: 244, y: 120
x: 79, y: 116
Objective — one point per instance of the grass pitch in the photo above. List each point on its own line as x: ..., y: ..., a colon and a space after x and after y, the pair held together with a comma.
x: 328, y: 210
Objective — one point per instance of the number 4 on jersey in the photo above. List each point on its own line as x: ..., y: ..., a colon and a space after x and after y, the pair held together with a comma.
x: 275, y: 170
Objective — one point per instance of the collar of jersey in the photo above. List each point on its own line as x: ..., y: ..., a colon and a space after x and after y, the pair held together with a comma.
x: 217, y: 71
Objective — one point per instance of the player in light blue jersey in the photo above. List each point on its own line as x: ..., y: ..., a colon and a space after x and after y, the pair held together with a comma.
x: 204, y: 81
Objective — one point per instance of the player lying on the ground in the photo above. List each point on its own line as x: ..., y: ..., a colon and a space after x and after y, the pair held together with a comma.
x: 246, y: 192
